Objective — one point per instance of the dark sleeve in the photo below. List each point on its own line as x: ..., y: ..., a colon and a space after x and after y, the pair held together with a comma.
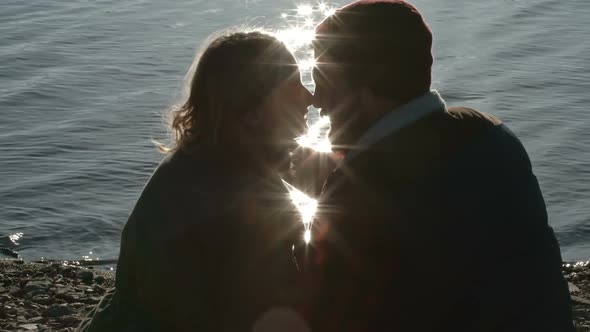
x: 120, y: 309
x: 177, y: 252
x: 484, y: 218
x: 353, y: 253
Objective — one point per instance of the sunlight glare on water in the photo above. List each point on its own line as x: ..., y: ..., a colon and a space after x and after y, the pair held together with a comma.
x: 307, y: 64
x: 15, y: 237
x: 315, y: 139
x: 304, y: 10
x: 329, y: 12
x: 298, y: 36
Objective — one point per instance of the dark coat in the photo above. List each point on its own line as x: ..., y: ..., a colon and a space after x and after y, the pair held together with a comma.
x: 441, y: 226
x: 206, y: 248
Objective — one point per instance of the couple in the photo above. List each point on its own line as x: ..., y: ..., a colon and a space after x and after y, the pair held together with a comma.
x: 433, y: 220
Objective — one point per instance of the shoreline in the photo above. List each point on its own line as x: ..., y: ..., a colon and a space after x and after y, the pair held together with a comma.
x: 56, y: 296
x: 48, y: 296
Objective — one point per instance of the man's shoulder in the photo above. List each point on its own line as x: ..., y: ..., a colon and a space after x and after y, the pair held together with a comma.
x: 471, y: 115
x: 427, y: 144
x: 439, y: 134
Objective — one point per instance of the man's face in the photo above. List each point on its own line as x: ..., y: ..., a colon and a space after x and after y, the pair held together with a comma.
x: 338, y: 100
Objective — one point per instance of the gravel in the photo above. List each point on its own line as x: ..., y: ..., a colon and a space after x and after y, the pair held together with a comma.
x: 578, y: 277
x: 57, y: 296
x: 48, y: 296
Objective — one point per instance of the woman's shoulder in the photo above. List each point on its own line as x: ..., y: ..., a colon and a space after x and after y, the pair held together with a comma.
x: 197, y: 163
x: 180, y: 174
x: 189, y: 187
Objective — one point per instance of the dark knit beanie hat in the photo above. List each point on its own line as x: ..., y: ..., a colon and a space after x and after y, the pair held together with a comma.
x: 385, y: 44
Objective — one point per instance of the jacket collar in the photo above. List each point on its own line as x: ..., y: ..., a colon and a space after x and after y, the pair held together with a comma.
x: 397, y: 119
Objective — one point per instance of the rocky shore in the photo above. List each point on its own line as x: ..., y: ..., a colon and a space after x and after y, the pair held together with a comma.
x: 48, y: 296
x: 54, y: 296
x: 578, y: 277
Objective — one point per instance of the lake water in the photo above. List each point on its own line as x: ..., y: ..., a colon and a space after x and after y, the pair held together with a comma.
x: 83, y: 85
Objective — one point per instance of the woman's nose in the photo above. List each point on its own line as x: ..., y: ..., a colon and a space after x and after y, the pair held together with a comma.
x: 317, y: 98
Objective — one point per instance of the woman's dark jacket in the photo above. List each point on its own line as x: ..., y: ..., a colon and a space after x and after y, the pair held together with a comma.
x: 206, y: 248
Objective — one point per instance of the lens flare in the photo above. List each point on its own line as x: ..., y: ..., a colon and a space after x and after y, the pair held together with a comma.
x: 316, y: 139
x: 329, y: 12
x: 307, y: 64
x: 305, y: 205
x: 298, y: 35
x: 304, y: 10
x: 307, y: 236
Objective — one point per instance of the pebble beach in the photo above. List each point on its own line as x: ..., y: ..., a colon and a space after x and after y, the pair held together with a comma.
x: 48, y: 296
x: 56, y: 296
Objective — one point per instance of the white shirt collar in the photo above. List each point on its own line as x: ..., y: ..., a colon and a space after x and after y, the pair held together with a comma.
x: 397, y: 119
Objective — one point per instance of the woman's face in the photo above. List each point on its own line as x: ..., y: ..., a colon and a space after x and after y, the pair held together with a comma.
x: 282, y: 117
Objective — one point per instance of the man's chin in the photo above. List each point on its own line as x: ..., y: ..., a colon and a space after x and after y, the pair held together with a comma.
x: 337, y: 143
x: 344, y: 138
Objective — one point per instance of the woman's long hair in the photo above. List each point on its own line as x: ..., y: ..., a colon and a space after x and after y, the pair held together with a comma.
x: 233, y: 73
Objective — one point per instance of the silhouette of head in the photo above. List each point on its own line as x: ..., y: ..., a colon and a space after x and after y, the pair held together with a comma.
x: 369, y: 50
x: 246, y: 96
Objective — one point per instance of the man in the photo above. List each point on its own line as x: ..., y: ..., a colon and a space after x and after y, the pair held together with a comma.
x: 434, y: 220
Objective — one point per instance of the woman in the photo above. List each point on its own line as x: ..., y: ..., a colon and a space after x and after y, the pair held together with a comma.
x: 208, y: 245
